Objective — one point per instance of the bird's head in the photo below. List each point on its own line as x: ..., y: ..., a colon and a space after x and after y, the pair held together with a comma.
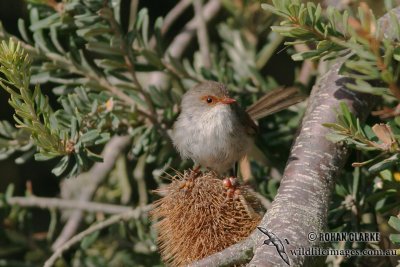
x: 205, y: 97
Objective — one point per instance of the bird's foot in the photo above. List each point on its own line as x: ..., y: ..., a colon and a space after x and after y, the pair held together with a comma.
x: 231, y: 184
x: 387, y: 113
x: 195, y: 172
x: 187, y: 185
x: 188, y: 182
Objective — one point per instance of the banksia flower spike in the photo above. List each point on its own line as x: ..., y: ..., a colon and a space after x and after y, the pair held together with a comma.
x: 197, y: 217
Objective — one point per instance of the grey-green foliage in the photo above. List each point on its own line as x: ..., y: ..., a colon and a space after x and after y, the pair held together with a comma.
x: 395, y: 223
x: 32, y: 111
x: 372, y: 55
x: 78, y: 50
x: 99, y: 71
x: 379, y: 138
x: 68, y: 132
x: 372, y: 61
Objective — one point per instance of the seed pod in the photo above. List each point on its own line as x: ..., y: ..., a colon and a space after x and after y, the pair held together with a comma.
x: 198, y: 222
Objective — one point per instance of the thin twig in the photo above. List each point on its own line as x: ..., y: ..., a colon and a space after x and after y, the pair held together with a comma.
x: 97, y: 173
x: 59, y: 7
x: 202, y: 35
x: 139, y: 176
x: 182, y: 40
x: 130, y: 215
x: 130, y: 64
x: 268, y: 50
x: 307, y: 68
x: 170, y: 18
x: 133, y: 14
x: 129, y: 60
x: 49, y: 203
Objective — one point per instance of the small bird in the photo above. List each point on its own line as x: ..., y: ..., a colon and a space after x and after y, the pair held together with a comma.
x: 214, y: 131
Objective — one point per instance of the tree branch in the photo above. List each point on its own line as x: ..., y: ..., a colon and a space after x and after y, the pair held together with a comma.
x: 180, y: 43
x: 48, y: 203
x: 202, y: 36
x: 170, y: 18
x: 132, y: 14
x: 107, y: 13
x: 97, y: 174
x: 301, y: 205
x: 182, y: 40
x: 130, y: 215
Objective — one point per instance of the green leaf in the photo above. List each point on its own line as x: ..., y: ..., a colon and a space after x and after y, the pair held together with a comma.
x: 61, y: 166
x: 335, y: 137
x: 22, y: 30
x: 93, y: 156
x: 395, y: 223
x: 306, y: 55
x: 347, y: 114
x: 395, y: 238
x: 89, y: 240
x: 90, y: 136
x: 44, y: 23
x: 116, y: 5
x: 110, y: 64
x: 103, y: 138
x: 43, y: 157
x: 152, y: 58
x: 158, y: 35
x: 96, y: 30
x: 54, y: 39
x: 384, y: 164
x: 365, y: 87
x: 335, y: 126
x: 25, y: 157
x: 9, y: 191
x: 142, y: 24
x: 103, y: 49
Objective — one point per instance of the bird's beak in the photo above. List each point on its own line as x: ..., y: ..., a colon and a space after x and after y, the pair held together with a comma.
x: 227, y: 100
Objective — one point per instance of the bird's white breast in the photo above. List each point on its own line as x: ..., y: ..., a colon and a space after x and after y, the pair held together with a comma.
x: 215, y: 139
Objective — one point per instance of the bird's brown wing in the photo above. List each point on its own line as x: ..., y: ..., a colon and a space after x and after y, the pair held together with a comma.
x: 274, y: 101
x: 249, y: 124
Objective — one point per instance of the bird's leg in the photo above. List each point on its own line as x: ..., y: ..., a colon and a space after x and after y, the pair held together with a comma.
x: 189, y: 181
x: 195, y: 172
x: 234, y: 170
x: 231, y: 184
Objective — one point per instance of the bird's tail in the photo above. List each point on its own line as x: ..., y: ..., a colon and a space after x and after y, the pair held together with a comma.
x: 275, y: 101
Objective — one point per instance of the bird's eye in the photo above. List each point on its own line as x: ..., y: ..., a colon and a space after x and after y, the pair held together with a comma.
x: 209, y: 100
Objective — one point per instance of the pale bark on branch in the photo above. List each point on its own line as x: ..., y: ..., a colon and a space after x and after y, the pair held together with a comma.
x: 97, y: 173
x: 301, y: 205
x: 50, y: 203
x: 181, y: 41
x: 133, y: 214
